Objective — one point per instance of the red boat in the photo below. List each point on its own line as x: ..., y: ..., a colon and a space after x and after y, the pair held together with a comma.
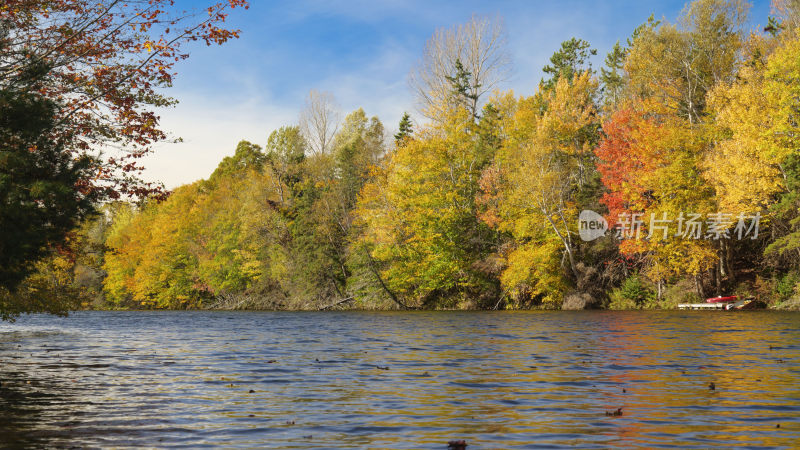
x: 728, y: 299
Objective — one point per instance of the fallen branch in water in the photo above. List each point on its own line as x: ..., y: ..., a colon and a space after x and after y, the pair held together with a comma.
x: 348, y: 299
x: 240, y: 301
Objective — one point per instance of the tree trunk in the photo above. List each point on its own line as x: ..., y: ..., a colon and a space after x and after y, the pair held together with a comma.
x: 698, y: 284
x: 729, y: 264
x: 374, y: 269
x: 567, y: 245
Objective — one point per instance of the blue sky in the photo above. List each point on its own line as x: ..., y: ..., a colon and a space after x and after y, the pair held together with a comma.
x: 360, y: 51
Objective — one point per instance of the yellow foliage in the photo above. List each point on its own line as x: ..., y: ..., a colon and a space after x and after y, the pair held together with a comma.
x: 534, y: 271
x: 756, y: 118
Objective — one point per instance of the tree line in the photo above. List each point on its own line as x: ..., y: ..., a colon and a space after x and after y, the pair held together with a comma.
x: 477, y: 204
x: 79, y: 84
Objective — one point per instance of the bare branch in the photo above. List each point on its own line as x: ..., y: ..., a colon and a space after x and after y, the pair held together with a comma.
x: 480, y: 45
x: 319, y: 121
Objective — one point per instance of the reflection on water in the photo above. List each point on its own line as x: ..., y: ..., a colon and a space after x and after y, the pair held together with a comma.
x: 401, y: 380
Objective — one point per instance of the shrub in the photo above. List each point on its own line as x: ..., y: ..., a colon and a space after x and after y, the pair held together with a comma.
x: 785, y: 287
x: 683, y: 291
x: 634, y: 293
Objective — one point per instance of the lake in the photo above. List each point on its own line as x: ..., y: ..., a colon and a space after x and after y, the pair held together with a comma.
x: 402, y: 379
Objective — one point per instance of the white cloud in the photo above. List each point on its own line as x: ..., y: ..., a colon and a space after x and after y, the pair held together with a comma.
x: 210, y: 132
x: 250, y: 87
x: 211, y: 125
x: 379, y: 87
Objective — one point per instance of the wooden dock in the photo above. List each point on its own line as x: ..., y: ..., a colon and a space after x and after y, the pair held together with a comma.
x: 701, y: 306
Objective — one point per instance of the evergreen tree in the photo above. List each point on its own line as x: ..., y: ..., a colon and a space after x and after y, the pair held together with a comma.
x: 406, y: 129
x: 571, y: 58
x: 39, y: 192
x: 461, y: 86
x: 611, y: 75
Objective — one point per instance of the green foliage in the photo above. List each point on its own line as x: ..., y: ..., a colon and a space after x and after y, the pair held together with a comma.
x: 612, y: 76
x: 476, y: 209
x: 273, y: 224
x: 420, y: 216
x: 571, y: 59
x: 682, y: 291
x: 461, y: 88
x: 247, y: 157
x: 634, y: 293
x: 405, y: 131
x: 40, y: 197
x: 786, y: 287
x: 786, y: 210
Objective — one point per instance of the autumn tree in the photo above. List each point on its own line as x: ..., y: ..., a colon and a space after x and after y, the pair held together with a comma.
x: 789, y: 11
x: 782, y: 86
x: 319, y: 122
x: 656, y: 145
x: 650, y: 162
x: 285, y: 153
x: 479, y: 46
x: 86, y: 76
x: 679, y: 64
x: 420, y: 214
x: 756, y: 150
x: 544, y: 164
x: 429, y: 230
x: 104, y: 65
x: 151, y: 264
x: 191, y: 248
x: 40, y: 204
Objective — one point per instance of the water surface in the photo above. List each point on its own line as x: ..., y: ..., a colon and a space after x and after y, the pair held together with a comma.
x: 402, y: 380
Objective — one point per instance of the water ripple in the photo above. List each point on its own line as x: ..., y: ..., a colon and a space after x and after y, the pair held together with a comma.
x: 401, y: 380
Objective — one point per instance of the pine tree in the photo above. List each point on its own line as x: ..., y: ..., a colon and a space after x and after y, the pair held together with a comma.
x: 572, y: 57
x: 611, y: 75
x: 462, y: 91
x: 406, y: 129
